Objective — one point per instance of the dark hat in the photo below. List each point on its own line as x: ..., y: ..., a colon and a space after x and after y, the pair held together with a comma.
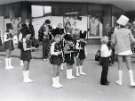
x: 9, y: 26
x: 68, y: 37
x: 83, y: 35
x: 47, y: 21
x: 57, y: 31
x: 24, y: 30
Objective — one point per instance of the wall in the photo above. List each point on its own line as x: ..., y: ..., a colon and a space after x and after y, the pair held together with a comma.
x: 23, y: 9
x: 19, y: 9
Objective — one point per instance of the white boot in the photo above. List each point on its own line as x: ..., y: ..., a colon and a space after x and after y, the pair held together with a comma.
x: 77, y: 71
x: 81, y: 70
x: 132, y: 83
x: 69, y: 74
x: 56, y: 83
x: 21, y: 63
x: 62, y: 66
x: 6, y: 64
x: 26, y: 78
x: 120, y: 74
x: 10, y: 63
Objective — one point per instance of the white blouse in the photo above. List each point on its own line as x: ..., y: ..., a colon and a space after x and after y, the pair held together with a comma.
x: 105, y: 51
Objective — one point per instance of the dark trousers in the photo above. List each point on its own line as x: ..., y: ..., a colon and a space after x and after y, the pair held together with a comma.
x: 104, y: 73
x: 46, y: 44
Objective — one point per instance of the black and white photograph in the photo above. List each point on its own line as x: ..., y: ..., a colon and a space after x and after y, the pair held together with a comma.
x: 67, y: 50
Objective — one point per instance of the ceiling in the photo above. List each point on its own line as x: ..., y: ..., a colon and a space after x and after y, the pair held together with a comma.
x: 127, y: 5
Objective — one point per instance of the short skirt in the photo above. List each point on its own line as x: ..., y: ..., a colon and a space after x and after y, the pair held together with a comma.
x: 26, y: 55
x: 56, y: 60
x: 9, y: 45
x: 69, y: 58
x: 125, y: 53
x: 80, y: 54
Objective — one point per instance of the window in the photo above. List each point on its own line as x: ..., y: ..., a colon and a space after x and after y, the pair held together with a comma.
x: 47, y: 10
x: 37, y: 11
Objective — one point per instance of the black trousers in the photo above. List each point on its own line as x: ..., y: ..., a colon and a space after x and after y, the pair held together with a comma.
x: 104, y: 73
x: 46, y: 44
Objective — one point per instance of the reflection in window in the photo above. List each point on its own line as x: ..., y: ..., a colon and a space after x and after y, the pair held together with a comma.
x: 40, y: 11
x: 37, y: 11
x: 95, y: 27
x: 47, y: 10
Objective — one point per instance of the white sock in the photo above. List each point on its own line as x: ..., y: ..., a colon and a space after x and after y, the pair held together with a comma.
x: 21, y: 63
x: 56, y: 83
x: 120, y: 75
x: 77, y: 71
x: 26, y: 77
x: 132, y: 83
x: 81, y: 70
x: 69, y: 74
x: 10, y: 63
x: 6, y: 63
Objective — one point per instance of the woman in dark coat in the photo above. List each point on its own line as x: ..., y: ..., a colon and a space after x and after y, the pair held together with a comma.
x: 44, y: 36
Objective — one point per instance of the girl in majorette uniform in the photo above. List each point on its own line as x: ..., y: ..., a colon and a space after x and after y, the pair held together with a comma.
x: 26, y: 53
x: 80, y: 55
x: 8, y: 45
x: 68, y: 50
x: 59, y: 29
x: 27, y: 29
x: 56, y: 59
x: 69, y: 55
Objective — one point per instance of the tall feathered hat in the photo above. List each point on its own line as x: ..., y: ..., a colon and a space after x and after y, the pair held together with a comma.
x: 83, y: 34
x: 123, y: 20
x: 68, y: 37
x: 56, y: 32
x: 9, y: 26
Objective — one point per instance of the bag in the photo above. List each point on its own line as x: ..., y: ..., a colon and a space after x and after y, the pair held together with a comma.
x: 20, y: 45
x: 35, y: 43
x: 98, y: 55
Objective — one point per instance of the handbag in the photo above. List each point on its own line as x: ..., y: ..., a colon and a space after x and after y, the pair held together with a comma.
x: 98, y: 55
x: 20, y: 45
x: 35, y: 43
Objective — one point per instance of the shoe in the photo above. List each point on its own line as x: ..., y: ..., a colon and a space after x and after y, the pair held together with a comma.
x: 104, y: 83
x: 27, y: 80
x: 82, y: 73
x: 77, y: 71
x: 119, y: 82
x: 132, y: 84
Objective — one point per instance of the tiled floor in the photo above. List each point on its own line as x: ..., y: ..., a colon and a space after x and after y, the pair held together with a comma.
x: 84, y: 88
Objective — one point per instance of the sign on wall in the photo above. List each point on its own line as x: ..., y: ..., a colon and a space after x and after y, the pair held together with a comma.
x: 95, y: 27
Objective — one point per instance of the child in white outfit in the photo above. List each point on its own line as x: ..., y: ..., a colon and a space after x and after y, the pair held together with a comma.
x: 105, y: 54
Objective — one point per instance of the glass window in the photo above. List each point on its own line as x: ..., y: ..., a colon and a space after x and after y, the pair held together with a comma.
x: 47, y: 10
x: 37, y: 11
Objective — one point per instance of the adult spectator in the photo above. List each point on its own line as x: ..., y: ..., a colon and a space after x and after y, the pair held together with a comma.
x: 122, y: 39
